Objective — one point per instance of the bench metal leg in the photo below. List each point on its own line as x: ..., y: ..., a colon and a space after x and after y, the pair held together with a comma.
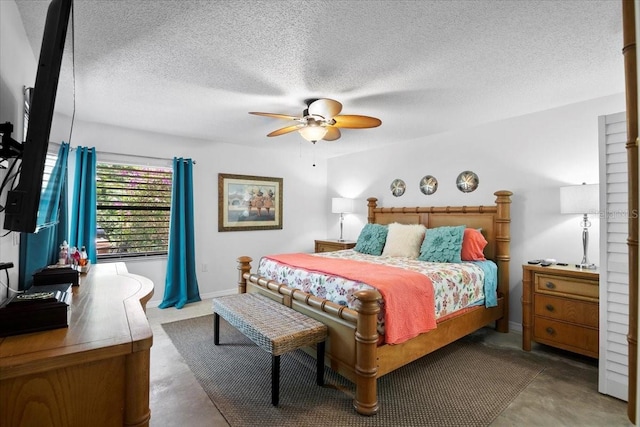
x: 320, y: 363
x: 275, y: 380
x: 216, y: 329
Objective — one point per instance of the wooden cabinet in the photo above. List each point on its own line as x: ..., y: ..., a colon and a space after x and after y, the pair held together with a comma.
x: 333, y: 245
x: 560, y: 308
x: 93, y: 373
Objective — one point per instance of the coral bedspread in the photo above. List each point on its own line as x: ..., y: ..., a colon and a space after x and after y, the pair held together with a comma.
x: 405, y: 314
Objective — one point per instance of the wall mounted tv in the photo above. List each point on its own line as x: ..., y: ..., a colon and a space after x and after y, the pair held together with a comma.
x: 21, y: 212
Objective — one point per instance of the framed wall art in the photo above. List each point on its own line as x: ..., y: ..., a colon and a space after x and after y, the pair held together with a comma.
x: 249, y: 203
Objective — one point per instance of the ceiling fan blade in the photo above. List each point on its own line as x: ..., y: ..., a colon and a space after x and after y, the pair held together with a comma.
x: 277, y: 116
x: 333, y: 133
x: 325, y: 107
x: 284, y: 130
x: 356, y: 122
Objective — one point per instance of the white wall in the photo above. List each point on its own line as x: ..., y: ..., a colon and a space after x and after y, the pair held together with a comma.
x: 531, y: 155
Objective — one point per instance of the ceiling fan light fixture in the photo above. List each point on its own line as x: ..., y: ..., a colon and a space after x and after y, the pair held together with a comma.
x: 321, y: 120
x: 313, y: 133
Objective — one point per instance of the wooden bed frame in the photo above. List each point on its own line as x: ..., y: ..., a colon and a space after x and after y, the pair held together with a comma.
x: 352, y: 348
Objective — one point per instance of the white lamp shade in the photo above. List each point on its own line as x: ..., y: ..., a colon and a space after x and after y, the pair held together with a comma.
x: 313, y: 133
x: 579, y: 199
x: 341, y: 205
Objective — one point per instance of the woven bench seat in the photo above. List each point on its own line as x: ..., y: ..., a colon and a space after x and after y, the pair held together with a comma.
x: 275, y: 328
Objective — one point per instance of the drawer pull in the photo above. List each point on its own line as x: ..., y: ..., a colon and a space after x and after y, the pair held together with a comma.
x: 550, y: 285
x: 551, y: 331
x: 549, y: 307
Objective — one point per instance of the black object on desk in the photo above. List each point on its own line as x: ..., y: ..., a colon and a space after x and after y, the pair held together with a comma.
x: 56, y: 274
x: 39, y: 308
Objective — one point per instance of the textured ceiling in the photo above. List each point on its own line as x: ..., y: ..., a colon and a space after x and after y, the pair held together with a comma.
x: 195, y: 68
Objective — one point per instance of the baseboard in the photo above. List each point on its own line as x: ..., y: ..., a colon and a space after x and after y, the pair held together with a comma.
x: 515, y: 327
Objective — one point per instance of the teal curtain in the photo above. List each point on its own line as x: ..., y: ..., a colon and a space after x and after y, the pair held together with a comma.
x: 83, y: 204
x: 37, y: 250
x: 181, y: 283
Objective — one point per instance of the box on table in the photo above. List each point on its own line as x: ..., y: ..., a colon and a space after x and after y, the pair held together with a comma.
x: 39, y: 308
x: 56, y: 274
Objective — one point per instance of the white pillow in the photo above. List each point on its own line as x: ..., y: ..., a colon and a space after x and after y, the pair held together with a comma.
x: 404, y: 240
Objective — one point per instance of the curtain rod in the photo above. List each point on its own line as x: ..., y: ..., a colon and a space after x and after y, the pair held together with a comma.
x: 132, y: 155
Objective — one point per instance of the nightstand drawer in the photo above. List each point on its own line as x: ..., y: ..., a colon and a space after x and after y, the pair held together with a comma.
x: 570, y: 337
x: 326, y: 247
x: 579, y: 312
x: 333, y: 245
x: 551, y: 284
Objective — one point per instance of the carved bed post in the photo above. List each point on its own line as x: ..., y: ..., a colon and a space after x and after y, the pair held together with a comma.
x: 244, y: 266
x: 371, y: 205
x: 366, y: 369
x: 503, y: 257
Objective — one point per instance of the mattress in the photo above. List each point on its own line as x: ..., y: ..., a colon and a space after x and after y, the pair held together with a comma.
x: 456, y: 286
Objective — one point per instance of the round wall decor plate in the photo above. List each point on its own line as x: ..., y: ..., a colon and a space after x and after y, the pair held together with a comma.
x: 467, y: 181
x: 428, y: 184
x: 397, y: 187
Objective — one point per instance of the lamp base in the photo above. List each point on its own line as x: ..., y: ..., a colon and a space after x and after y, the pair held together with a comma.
x: 586, y: 266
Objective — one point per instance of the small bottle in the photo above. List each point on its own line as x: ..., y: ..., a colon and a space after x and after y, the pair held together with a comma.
x: 75, y: 257
x: 84, y: 258
x: 62, y: 256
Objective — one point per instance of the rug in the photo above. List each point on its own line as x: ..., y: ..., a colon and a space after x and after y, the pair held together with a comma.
x: 466, y: 383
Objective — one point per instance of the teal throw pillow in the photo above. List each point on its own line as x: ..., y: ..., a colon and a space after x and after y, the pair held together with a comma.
x: 442, y: 244
x: 371, y: 239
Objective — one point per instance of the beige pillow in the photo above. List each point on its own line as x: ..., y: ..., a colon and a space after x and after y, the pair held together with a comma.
x: 404, y: 240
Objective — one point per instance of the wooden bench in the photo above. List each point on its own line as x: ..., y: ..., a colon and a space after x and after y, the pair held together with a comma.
x: 274, y: 327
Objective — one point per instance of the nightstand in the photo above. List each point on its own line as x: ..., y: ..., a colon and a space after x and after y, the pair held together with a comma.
x: 560, y: 308
x: 331, y: 245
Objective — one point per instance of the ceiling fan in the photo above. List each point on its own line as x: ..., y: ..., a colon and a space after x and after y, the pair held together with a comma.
x: 322, y: 120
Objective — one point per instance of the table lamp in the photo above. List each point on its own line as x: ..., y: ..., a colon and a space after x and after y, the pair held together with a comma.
x: 342, y: 206
x: 581, y: 199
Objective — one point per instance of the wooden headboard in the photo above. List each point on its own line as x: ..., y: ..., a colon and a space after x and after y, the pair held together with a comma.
x: 494, y: 220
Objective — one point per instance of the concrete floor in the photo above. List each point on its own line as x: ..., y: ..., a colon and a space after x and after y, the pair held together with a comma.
x: 564, y: 394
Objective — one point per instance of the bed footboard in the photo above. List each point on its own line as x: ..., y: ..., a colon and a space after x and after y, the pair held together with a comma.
x: 364, y: 368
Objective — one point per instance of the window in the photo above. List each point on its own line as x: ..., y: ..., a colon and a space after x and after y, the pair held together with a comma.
x: 49, y: 163
x: 133, y: 208
x: 48, y: 207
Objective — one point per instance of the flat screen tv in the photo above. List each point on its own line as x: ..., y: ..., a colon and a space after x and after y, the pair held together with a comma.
x: 21, y: 212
